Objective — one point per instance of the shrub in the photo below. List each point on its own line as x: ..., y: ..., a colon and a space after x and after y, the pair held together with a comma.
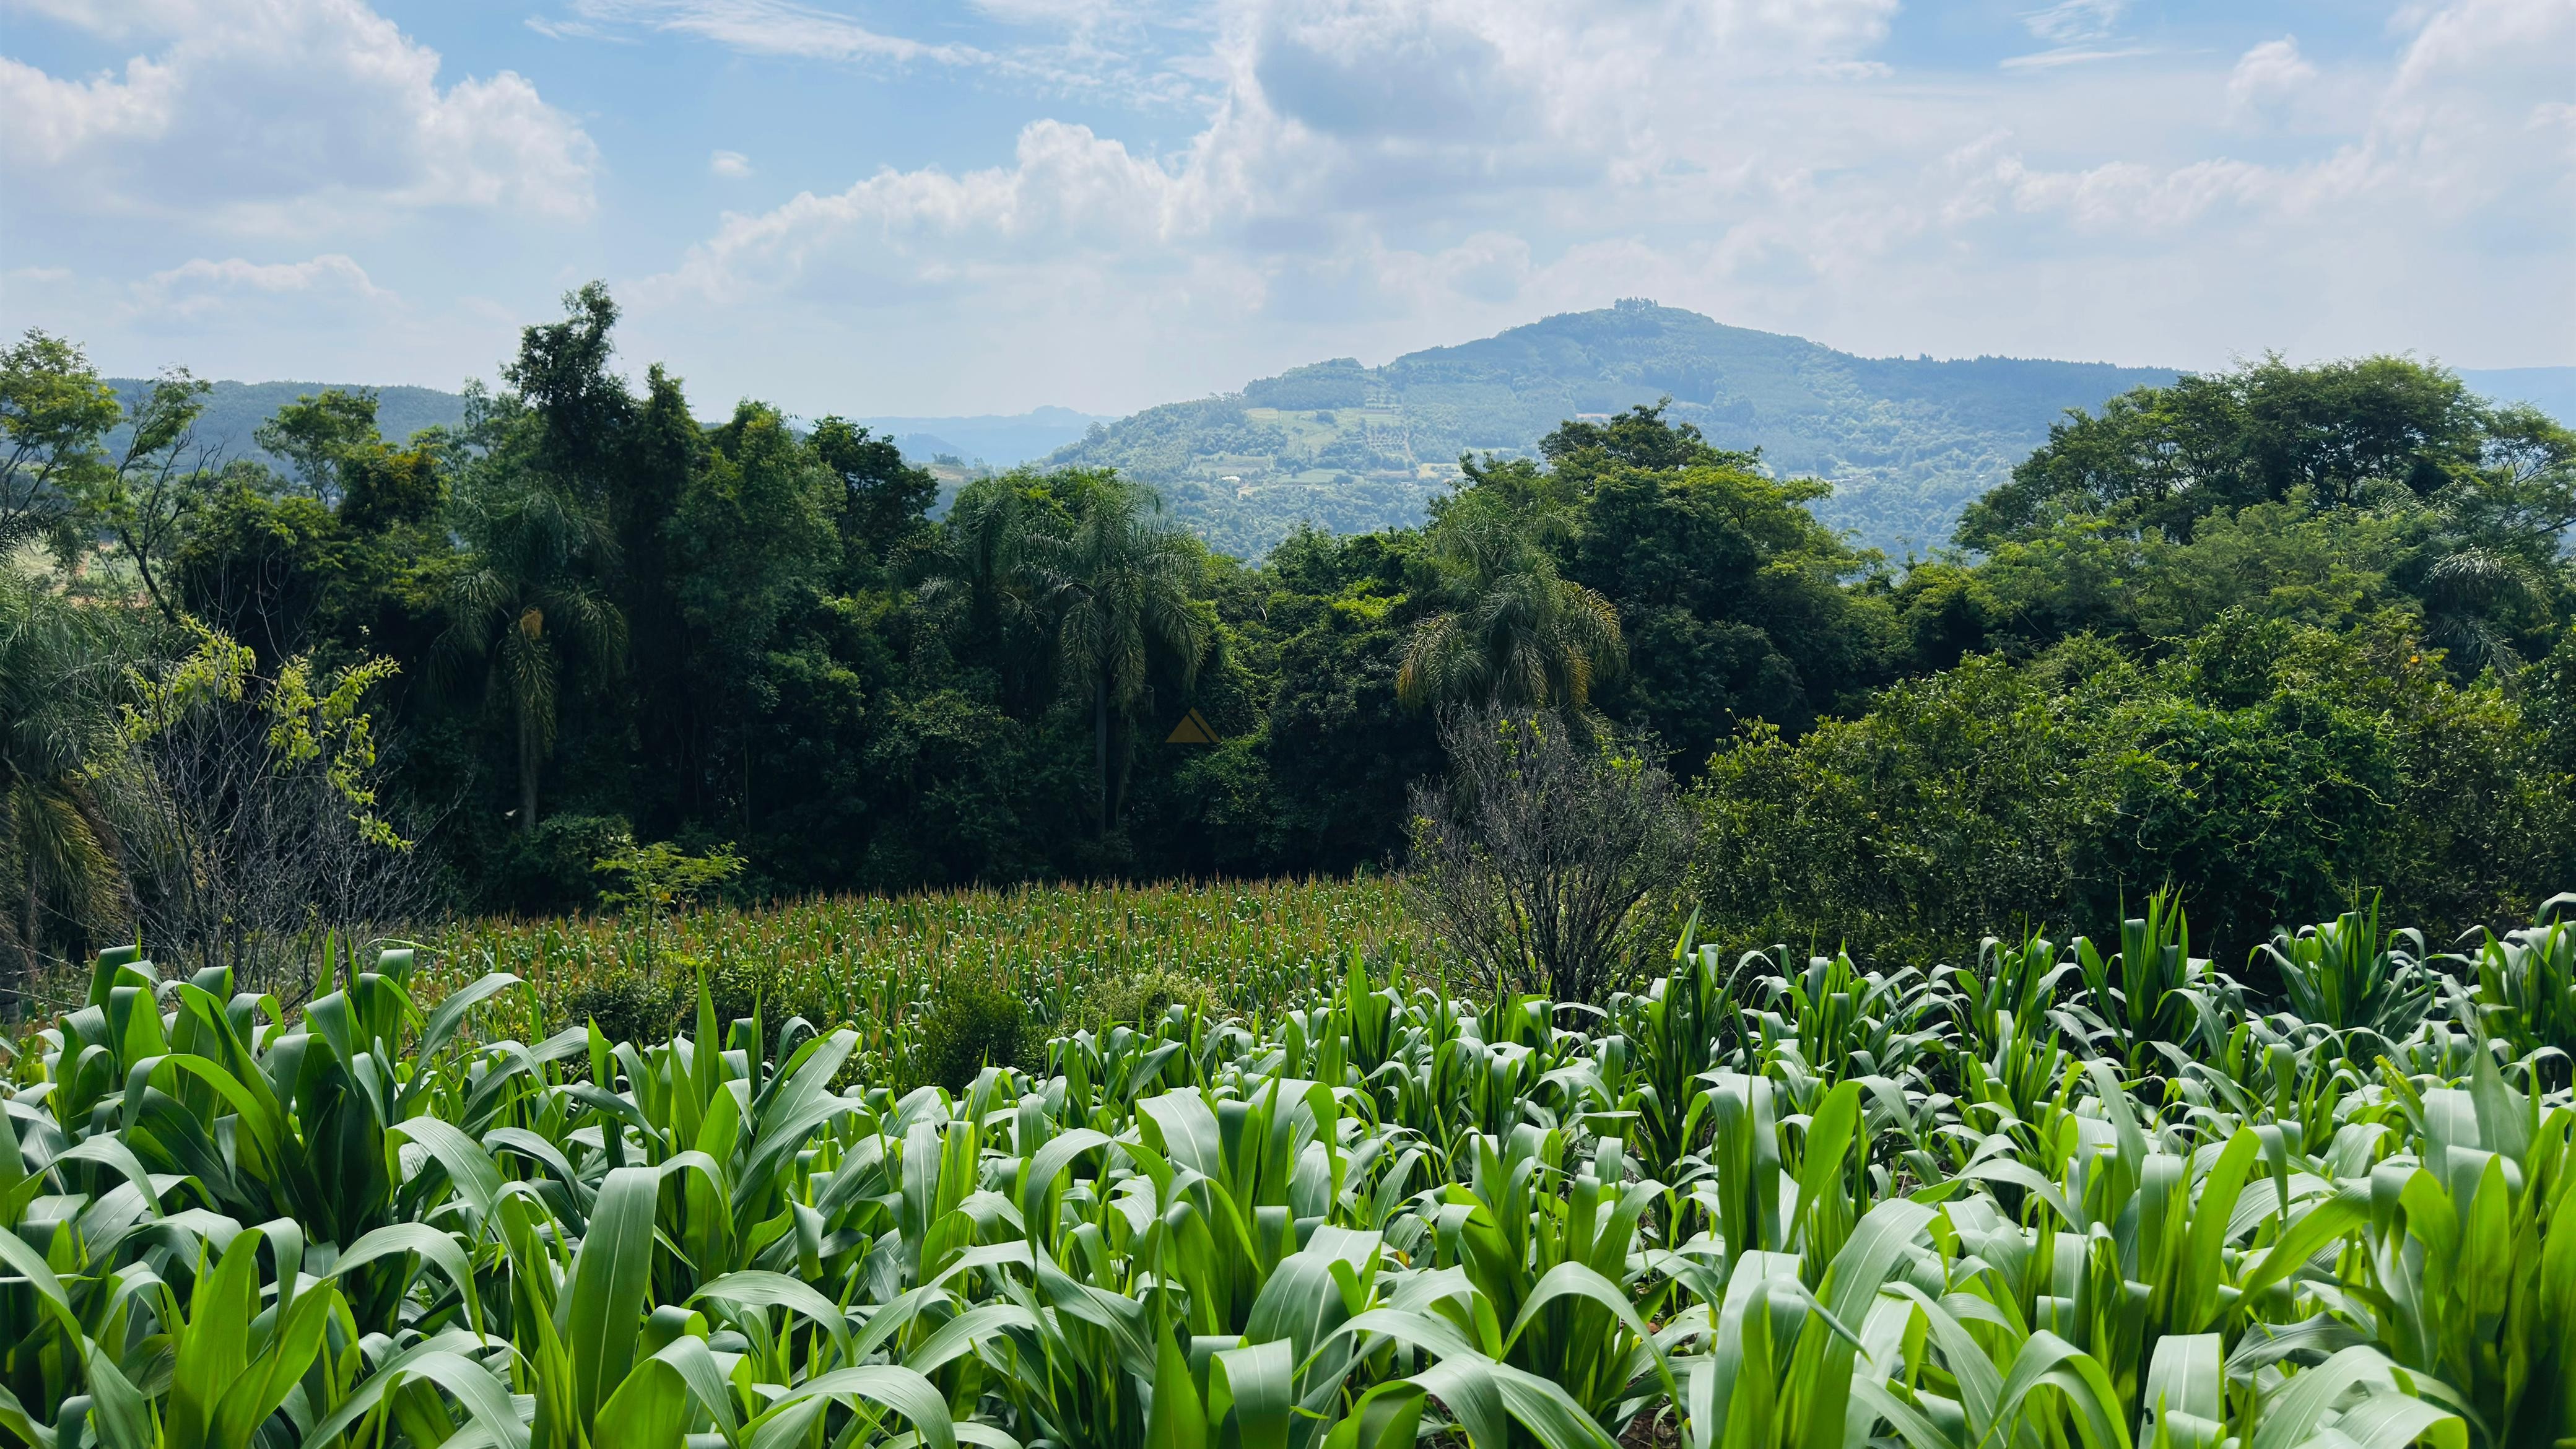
x: 974, y: 1020
x: 1140, y: 999
x: 1549, y: 853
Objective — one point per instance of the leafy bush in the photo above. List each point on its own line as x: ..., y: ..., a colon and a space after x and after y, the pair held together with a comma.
x: 2271, y: 773
x: 1140, y: 1000
x: 974, y: 1021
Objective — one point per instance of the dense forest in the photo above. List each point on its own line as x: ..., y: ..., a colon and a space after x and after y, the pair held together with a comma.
x: 2279, y: 636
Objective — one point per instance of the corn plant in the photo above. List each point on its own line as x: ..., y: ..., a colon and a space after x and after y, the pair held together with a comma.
x: 2055, y: 1198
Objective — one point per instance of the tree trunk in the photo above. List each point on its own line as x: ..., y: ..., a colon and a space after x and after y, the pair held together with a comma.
x: 527, y: 774
x: 1100, y: 750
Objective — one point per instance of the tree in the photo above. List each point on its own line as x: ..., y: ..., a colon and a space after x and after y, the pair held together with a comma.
x: 582, y: 409
x: 2338, y: 434
x: 750, y: 543
x: 323, y: 436
x: 54, y: 412
x: 1731, y: 597
x: 152, y: 494
x: 61, y: 666
x: 1512, y: 633
x: 1544, y: 856
x: 882, y: 499
x: 976, y: 581
x: 527, y: 606
x: 253, y: 826
x: 1119, y: 585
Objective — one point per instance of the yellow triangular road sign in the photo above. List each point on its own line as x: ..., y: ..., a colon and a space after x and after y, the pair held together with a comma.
x: 1192, y: 730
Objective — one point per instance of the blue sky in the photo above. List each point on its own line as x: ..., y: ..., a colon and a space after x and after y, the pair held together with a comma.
x: 869, y: 207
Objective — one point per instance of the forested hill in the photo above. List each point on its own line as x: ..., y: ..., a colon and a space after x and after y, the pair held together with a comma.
x: 235, y: 410
x: 1907, y: 442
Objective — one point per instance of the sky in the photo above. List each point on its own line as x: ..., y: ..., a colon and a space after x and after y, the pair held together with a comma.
x: 870, y: 207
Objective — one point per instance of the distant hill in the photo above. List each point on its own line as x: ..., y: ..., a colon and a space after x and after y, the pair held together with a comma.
x: 1001, y: 441
x: 235, y: 410
x: 1907, y: 441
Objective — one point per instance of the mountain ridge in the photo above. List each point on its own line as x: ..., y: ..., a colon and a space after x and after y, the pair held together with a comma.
x: 1906, y: 442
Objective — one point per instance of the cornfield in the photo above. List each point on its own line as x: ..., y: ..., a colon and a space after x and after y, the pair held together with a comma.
x: 870, y: 961
x: 2102, y: 1192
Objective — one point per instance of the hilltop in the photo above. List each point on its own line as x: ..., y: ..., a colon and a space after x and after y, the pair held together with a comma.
x: 1907, y: 441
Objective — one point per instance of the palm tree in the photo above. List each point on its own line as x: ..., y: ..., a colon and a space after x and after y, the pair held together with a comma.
x: 60, y: 663
x: 1119, y: 584
x: 978, y: 582
x: 1513, y: 634
x: 526, y: 604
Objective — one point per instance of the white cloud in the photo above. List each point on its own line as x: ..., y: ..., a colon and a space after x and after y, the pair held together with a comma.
x: 2073, y: 22
x: 733, y: 165
x: 284, y: 115
x: 1381, y: 174
x: 2268, y: 75
x: 771, y: 27
x: 197, y: 288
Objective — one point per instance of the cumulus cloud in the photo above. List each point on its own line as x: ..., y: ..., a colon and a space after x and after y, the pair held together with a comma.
x: 289, y: 115
x: 732, y: 165
x: 2268, y: 75
x: 1415, y: 171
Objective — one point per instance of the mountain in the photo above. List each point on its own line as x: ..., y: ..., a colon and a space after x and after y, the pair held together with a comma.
x: 1907, y: 441
x: 1001, y: 441
x: 235, y: 410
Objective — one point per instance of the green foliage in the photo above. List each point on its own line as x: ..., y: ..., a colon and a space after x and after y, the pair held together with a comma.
x: 750, y: 631
x: 1907, y: 442
x: 63, y: 672
x: 975, y: 1022
x: 2272, y: 772
x: 1369, y: 1214
x: 660, y: 877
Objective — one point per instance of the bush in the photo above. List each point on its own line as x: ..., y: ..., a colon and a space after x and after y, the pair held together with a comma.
x: 2271, y: 773
x: 625, y: 1006
x: 1550, y: 853
x: 975, y: 1021
x: 1140, y: 1000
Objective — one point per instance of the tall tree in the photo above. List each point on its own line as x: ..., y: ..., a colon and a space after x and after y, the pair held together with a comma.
x: 158, y: 485
x: 323, y: 436
x: 751, y: 541
x: 530, y: 607
x: 60, y: 665
x: 881, y: 499
x: 583, y: 410
x: 1120, y: 584
x: 978, y: 583
x: 54, y: 412
x: 1509, y: 632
